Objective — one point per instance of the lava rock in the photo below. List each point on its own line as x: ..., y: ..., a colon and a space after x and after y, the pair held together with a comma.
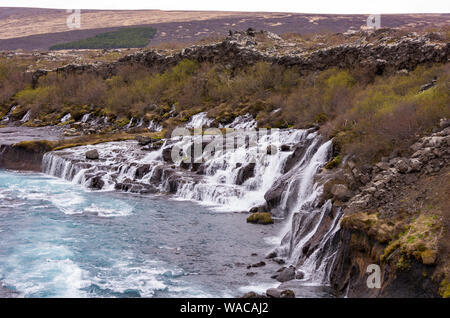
x: 341, y: 192
x: 259, y: 264
x: 286, y: 274
x: 96, y: 183
x: 299, y: 275
x: 142, y: 171
x: 287, y: 294
x: 285, y: 148
x: 274, y: 292
x: 271, y: 255
x: 245, y: 173
x: 92, y: 154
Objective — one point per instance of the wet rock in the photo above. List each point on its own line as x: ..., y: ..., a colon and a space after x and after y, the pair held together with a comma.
x: 274, y: 292
x: 92, y: 154
x: 287, y: 294
x: 271, y: 255
x: 259, y: 264
x: 157, y: 174
x: 285, y: 148
x: 279, y: 261
x: 142, y: 171
x: 286, y: 274
x: 96, y: 183
x: 280, y: 293
x: 251, y: 274
x: 299, y: 275
x: 245, y: 173
x: 296, y: 156
x: 167, y: 154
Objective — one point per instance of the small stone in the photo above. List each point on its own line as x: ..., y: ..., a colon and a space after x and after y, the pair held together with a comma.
x: 259, y: 264
x: 274, y: 292
x: 299, y: 275
x: 286, y: 274
x: 341, y: 192
x: 287, y: 294
x: 285, y: 148
x: 92, y: 154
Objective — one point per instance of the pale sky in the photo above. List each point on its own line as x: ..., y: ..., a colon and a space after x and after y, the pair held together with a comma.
x: 309, y: 6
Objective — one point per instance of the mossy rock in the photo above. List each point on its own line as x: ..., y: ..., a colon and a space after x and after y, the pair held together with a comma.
x: 444, y: 290
x: 37, y: 146
x: 122, y: 122
x: 333, y: 163
x: 260, y: 218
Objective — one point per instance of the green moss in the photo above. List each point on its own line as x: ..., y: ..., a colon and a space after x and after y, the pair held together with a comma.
x: 37, y: 146
x: 403, y: 263
x: 260, y: 218
x: 122, y: 122
x: 444, y: 290
x: 333, y: 163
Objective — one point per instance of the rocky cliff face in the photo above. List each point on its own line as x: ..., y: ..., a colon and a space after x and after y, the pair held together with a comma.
x: 398, y: 220
x: 243, y: 48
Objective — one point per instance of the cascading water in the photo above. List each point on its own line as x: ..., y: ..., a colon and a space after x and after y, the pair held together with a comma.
x: 199, y: 120
x: 281, y: 165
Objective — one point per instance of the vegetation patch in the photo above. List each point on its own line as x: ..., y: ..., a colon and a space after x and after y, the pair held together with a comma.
x: 123, y: 38
x: 419, y: 240
x: 260, y: 218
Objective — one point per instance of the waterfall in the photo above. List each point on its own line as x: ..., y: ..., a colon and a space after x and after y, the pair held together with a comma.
x: 199, y: 120
x: 26, y: 117
x: 85, y: 118
x: 272, y: 170
x: 242, y: 122
x: 66, y: 118
x: 154, y: 126
x: 8, y: 115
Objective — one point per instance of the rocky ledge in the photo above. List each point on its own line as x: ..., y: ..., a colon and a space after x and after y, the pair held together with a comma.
x: 397, y: 217
x: 382, y: 51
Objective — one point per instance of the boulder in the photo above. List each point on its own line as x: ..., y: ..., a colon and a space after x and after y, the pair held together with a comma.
x: 142, y: 171
x: 245, y: 173
x: 286, y: 274
x: 341, y: 192
x: 92, y: 154
x: 287, y: 294
x: 299, y: 275
x: 252, y: 295
x: 402, y: 166
x: 280, y: 293
x: 274, y: 292
x: 96, y: 183
x: 285, y: 148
